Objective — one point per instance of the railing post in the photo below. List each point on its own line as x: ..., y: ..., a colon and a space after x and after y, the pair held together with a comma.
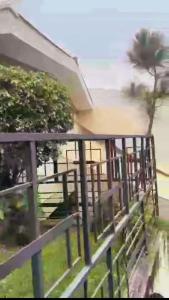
x: 77, y: 210
x: 148, y: 154
x: 84, y: 196
x: 100, y: 205
x: 136, y: 168
x: 155, y: 176
x: 143, y: 164
x: 67, y: 206
x: 95, y: 227
x: 113, y: 164
x: 110, y: 178
x: 110, y: 277
x: 55, y: 169
x: 37, y: 268
x: 124, y: 175
x: 86, y: 289
x: 109, y: 164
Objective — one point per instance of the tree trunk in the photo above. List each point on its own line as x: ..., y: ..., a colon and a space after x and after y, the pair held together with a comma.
x: 153, y: 109
x: 151, y: 122
x: 155, y: 83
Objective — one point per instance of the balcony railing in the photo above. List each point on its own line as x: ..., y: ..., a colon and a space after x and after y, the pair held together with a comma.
x: 101, y: 193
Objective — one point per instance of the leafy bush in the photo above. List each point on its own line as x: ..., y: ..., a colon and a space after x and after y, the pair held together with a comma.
x: 30, y: 102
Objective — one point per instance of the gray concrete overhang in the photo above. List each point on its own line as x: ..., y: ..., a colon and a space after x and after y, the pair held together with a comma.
x: 22, y: 44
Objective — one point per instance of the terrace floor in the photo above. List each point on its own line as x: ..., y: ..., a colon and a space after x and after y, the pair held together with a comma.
x: 164, y: 209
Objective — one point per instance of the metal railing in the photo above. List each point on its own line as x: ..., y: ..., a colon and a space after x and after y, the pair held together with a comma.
x: 110, y: 198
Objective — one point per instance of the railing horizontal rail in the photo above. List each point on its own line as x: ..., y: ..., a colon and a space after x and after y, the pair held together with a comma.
x: 41, y: 137
x: 133, y: 260
x: 56, y: 284
x: 134, y: 228
x: 42, y: 180
x: 119, y: 254
x: 93, y: 165
x: 26, y: 253
x: 101, y: 252
x: 108, y: 190
x: 106, y: 195
x: 16, y: 188
x: 100, y: 284
x: 135, y: 238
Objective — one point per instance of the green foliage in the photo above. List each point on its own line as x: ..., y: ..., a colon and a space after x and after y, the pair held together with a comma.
x: 32, y: 102
x: 16, y: 219
x: 149, y: 53
x: 148, y: 50
x: 161, y: 55
x: 19, y: 283
x: 29, y: 102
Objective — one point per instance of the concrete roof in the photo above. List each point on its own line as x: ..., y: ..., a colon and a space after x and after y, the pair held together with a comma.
x: 22, y: 44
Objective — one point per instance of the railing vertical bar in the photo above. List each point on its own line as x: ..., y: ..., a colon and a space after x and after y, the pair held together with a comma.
x: 37, y: 267
x: 68, y: 248
x: 125, y: 179
x: 136, y: 167
x: 133, y: 180
x: 116, y: 161
x: 55, y: 169
x: 76, y: 150
x: 100, y: 208
x: 148, y: 146
x: 84, y: 196
x: 77, y: 210
x: 155, y: 176
x: 86, y: 289
x: 93, y: 202
x: 118, y: 279
x: 91, y: 154
x: 130, y: 183
x: 67, y: 162
x: 113, y: 154
x: 110, y: 277
x: 67, y: 205
x: 110, y: 179
x: 143, y: 164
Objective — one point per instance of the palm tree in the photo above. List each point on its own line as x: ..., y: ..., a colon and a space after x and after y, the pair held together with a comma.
x: 149, y: 53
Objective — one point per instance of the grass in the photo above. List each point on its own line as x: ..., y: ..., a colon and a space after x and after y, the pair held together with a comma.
x: 19, y: 283
x: 162, y: 225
